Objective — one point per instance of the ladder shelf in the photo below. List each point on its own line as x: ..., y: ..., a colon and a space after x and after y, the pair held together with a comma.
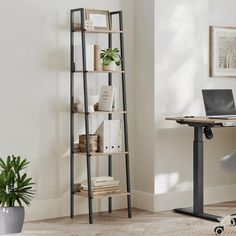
x: 84, y: 73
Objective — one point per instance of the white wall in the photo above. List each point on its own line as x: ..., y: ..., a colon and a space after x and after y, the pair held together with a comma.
x: 181, y: 66
x: 171, y: 69
x: 144, y: 88
x: 167, y: 66
x: 34, y: 96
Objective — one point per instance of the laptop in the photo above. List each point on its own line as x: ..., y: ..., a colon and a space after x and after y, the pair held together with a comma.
x: 219, y: 103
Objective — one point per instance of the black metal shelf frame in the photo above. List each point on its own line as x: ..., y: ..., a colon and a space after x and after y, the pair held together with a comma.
x: 86, y: 113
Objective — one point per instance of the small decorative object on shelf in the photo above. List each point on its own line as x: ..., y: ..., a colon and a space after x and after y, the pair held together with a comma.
x: 86, y: 60
x: 97, y: 61
x: 89, y: 25
x: 93, y: 143
x: 106, y: 98
x: 100, y: 19
x: 92, y: 101
x: 110, y: 59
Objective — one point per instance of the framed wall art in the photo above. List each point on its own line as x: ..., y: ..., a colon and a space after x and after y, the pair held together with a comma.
x: 222, y: 51
x: 100, y: 19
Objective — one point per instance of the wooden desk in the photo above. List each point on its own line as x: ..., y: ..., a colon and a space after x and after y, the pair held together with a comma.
x: 199, y: 123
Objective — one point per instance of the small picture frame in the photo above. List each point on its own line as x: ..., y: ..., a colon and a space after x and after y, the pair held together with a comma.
x: 222, y: 51
x: 100, y: 19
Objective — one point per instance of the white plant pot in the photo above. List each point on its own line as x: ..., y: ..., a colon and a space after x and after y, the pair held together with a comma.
x: 111, y: 67
x: 11, y: 219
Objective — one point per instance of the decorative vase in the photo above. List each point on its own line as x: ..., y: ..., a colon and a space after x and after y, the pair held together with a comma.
x: 92, y: 100
x: 110, y: 67
x: 11, y: 219
x: 93, y: 142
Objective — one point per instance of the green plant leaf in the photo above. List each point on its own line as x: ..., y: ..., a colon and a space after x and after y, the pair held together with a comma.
x: 106, y: 61
x: 19, y: 202
x: 2, y: 164
x: 15, y: 187
x: 116, y: 50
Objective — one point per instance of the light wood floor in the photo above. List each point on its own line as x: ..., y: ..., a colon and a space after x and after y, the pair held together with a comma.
x: 142, y: 223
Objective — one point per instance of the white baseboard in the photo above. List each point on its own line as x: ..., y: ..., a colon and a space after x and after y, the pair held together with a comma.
x: 168, y: 201
x: 171, y: 200
x: 220, y: 194
x: 54, y: 208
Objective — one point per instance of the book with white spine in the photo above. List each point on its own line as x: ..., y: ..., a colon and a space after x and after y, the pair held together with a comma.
x: 115, y: 136
x: 102, y: 188
x: 110, y: 136
x: 112, y: 183
x: 116, y: 101
x: 100, y: 179
x: 103, y: 133
x: 89, y: 57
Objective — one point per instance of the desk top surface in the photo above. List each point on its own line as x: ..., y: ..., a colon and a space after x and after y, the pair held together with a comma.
x: 203, y: 120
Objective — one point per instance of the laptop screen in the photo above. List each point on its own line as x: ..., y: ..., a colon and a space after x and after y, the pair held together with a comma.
x: 219, y: 102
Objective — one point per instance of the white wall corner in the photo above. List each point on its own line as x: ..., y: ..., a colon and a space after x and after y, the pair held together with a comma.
x: 143, y: 200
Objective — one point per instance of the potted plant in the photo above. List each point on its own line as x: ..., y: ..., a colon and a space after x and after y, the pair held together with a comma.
x: 110, y: 59
x: 15, y: 190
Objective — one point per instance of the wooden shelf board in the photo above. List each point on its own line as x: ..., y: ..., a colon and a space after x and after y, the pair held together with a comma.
x: 99, y: 71
x: 102, y: 112
x: 101, y: 153
x: 103, y: 195
x: 101, y: 31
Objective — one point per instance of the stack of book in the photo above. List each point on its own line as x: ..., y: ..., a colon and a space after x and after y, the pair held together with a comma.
x: 103, y: 185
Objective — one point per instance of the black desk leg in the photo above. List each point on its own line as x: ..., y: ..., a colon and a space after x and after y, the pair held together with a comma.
x: 198, y: 179
x: 198, y: 171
